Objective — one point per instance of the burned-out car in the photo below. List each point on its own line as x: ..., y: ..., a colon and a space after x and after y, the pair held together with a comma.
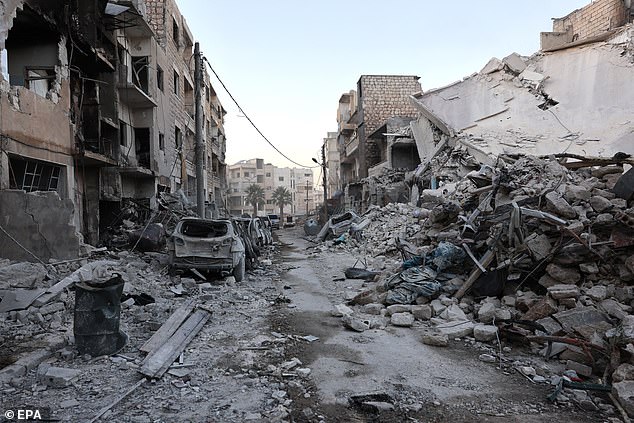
x: 207, y: 245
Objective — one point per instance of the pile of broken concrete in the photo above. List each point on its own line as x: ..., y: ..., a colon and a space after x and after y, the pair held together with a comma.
x: 537, y: 250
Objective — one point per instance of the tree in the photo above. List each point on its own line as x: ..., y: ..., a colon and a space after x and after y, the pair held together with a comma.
x: 255, y: 196
x: 282, y: 197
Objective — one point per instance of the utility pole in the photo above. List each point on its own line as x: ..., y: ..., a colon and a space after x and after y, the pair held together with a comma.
x: 200, y: 142
x: 307, y: 186
x: 324, y: 178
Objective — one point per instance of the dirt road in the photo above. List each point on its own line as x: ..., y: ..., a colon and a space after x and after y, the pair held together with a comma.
x: 423, y: 383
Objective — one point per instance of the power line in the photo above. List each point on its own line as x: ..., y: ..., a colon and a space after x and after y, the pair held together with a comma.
x: 251, y: 122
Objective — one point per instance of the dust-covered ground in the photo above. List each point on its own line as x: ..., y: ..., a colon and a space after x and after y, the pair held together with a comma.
x: 272, y: 351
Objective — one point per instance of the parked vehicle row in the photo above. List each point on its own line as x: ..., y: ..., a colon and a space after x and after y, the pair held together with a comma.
x: 225, y: 246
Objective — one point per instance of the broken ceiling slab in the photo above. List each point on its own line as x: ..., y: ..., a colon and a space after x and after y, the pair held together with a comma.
x: 555, y: 105
x: 18, y: 299
x: 493, y: 65
x: 515, y: 63
x: 531, y: 76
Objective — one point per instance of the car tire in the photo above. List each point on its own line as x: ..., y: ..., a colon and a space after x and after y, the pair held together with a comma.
x: 238, y: 271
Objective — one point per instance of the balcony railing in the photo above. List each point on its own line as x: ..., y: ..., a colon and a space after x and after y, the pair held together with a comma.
x: 352, y: 146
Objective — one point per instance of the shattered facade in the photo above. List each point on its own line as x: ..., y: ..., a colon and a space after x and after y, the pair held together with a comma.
x: 101, y: 110
x: 594, y: 20
x: 377, y: 98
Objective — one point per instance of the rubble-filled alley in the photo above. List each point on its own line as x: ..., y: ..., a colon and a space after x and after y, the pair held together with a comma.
x: 466, y: 253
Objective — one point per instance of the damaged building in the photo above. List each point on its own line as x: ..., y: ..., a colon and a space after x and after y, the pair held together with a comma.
x: 360, y: 114
x: 97, y: 110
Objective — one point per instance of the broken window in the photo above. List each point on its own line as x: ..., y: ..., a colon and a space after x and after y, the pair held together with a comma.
x: 39, y: 79
x: 33, y: 175
x: 159, y: 78
x: 178, y: 137
x: 142, y: 143
x: 175, y: 32
x: 176, y: 83
x: 32, y: 52
x: 122, y: 133
x: 161, y: 142
x: 140, y: 65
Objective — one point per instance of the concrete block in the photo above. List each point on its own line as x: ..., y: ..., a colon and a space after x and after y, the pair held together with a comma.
x: 56, y: 377
x: 600, y: 204
x: 624, y: 391
x: 398, y: 308
x: 453, y: 313
x: 456, y: 329
x: 402, y: 319
x: 558, y: 205
x: 542, y: 308
x: 373, y: 308
x: 581, y: 369
x: 515, y: 63
x: 52, y: 308
x: 435, y: 339
x: 563, y: 274
x: 32, y: 360
x: 10, y: 372
x: 485, y: 333
x: 422, y: 312
x: 564, y: 291
x: 355, y: 323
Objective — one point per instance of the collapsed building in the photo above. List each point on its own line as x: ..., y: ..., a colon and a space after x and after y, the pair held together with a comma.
x: 97, y: 110
x: 517, y: 225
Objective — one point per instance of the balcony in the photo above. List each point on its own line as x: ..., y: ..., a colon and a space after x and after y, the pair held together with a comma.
x: 133, y: 94
x: 352, y: 146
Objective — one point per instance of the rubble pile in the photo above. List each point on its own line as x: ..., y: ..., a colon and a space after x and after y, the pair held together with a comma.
x: 539, y: 250
x: 41, y: 357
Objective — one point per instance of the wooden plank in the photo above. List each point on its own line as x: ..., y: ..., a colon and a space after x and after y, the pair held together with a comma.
x: 169, y: 327
x: 158, y: 361
x: 486, y: 260
x: 117, y: 400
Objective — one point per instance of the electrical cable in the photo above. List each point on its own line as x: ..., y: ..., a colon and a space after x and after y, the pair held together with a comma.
x: 251, y: 122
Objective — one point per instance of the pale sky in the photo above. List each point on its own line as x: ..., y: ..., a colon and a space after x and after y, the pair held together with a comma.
x: 287, y: 62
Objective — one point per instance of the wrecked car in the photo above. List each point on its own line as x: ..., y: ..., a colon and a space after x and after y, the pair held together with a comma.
x: 207, y: 245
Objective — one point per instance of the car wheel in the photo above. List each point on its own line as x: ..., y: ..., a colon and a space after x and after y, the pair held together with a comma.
x: 238, y: 271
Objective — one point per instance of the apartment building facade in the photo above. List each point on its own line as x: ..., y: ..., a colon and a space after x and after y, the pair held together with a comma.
x: 101, y: 111
x: 298, y: 181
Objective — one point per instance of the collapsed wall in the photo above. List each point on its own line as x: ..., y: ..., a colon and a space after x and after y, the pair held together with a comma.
x: 36, y: 226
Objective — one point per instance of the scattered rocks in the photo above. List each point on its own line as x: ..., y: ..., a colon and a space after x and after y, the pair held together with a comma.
x: 402, y: 319
x: 436, y: 339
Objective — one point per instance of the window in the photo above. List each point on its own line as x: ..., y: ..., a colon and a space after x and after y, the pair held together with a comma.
x: 176, y: 83
x: 238, y: 175
x: 281, y: 179
x: 140, y: 65
x: 161, y: 142
x: 308, y: 175
x: 178, y: 137
x: 123, y: 139
x: 260, y: 179
x: 175, y: 32
x: 246, y: 174
x: 268, y: 174
x: 159, y: 78
x: 31, y: 175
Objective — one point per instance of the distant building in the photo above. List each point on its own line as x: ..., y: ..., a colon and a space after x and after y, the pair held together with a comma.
x: 360, y: 113
x: 298, y: 181
x: 333, y: 163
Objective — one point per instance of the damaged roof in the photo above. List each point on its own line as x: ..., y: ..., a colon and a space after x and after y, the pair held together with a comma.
x: 576, y: 100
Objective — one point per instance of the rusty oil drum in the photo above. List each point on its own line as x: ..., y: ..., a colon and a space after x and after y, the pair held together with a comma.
x: 97, y: 317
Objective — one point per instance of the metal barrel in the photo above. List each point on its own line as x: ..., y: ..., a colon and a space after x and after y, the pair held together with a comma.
x: 97, y: 316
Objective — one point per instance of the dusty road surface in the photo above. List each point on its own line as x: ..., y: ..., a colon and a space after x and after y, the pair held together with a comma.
x: 409, y: 381
x: 271, y: 352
